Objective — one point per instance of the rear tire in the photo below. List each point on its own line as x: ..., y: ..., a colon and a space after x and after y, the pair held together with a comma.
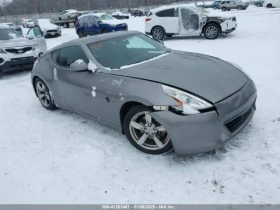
x: 269, y: 6
x: 143, y: 132
x: 44, y: 95
x: 81, y: 34
x: 158, y: 33
x: 212, y: 31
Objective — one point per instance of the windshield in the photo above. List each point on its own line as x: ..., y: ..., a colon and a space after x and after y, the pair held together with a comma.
x: 126, y: 50
x: 6, y: 34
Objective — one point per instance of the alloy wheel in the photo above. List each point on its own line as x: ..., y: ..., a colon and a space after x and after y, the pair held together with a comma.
x: 43, y: 94
x: 158, y: 34
x: 211, y: 32
x: 147, y: 132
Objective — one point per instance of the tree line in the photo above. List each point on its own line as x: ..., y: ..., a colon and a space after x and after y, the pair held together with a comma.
x: 21, y: 7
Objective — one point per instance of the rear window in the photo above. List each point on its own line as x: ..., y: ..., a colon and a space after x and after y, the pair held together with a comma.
x: 166, y: 13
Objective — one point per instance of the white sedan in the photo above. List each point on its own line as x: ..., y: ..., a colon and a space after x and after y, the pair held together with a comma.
x: 48, y: 28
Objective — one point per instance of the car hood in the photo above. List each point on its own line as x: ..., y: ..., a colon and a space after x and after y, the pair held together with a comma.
x: 205, y: 76
x: 16, y: 42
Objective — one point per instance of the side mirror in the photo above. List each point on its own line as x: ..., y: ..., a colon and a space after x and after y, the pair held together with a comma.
x: 79, y: 65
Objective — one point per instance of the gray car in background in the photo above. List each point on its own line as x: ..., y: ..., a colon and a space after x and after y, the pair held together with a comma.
x: 229, y: 5
x: 159, y: 98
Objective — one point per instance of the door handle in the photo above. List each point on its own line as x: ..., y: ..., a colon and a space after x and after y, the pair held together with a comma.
x: 55, y: 74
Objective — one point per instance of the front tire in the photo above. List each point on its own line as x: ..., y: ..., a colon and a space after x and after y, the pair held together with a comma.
x: 145, y: 133
x: 224, y: 9
x: 158, y: 33
x: 104, y: 31
x: 212, y: 31
x: 44, y: 95
x: 269, y: 6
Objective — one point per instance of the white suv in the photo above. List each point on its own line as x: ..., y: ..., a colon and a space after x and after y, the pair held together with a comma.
x: 186, y: 20
x: 17, y: 52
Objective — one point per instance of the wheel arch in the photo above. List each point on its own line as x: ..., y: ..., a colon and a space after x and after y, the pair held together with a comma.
x: 212, y: 22
x: 125, y: 109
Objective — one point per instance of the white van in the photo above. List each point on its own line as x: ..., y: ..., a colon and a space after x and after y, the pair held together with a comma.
x: 271, y: 3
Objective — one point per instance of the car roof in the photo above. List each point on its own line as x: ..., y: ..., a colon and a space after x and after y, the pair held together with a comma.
x: 170, y: 7
x: 92, y: 39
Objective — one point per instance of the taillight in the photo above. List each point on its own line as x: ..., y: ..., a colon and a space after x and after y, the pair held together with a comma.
x: 148, y: 19
x: 35, y: 63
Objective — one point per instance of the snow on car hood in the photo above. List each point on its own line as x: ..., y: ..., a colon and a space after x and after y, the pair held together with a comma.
x: 16, y: 42
x: 202, y: 75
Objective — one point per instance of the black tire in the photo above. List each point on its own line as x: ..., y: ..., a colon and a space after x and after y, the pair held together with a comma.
x: 81, y: 34
x: 50, y: 105
x: 228, y: 9
x: 258, y: 5
x: 224, y: 9
x: 269, y: 6
x: 239, y: 8
x: 216, y: 31
x: 158, y: 33
x: 104, y: 31
x: 167, y: 144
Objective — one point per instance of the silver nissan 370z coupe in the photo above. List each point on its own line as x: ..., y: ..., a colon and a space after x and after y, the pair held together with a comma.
x: 161, y: 99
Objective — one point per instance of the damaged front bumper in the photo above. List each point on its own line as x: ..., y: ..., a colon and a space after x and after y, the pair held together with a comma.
x: 208, y: 131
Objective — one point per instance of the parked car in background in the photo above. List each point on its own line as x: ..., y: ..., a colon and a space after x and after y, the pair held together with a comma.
x: 13, y: 26
x: 48, y: 28
x: 259, y: 3
x: 228, y: 5
x: 109, y: 78
x: 28, y: 23
x: 271, y: 3
x: 80, y: 13
x: 17, y: 52
x: 216, y: 4
x: 68, y: 14
x: 138, y: 13
x: 98, y: 23
x: 120, y: 15
x: 186, y: 20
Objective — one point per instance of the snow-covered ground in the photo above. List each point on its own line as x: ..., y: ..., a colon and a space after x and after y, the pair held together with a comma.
x: 61, y: 157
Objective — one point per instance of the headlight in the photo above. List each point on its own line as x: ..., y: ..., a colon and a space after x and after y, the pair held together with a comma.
x: 187, y: 103
x: 35, y: 47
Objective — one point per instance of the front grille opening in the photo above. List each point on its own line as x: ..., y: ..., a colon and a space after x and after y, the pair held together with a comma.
x: 233, y: 125
x: 19, y: 50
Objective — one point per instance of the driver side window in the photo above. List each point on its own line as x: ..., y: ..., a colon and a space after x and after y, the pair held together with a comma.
x: 69, y: 55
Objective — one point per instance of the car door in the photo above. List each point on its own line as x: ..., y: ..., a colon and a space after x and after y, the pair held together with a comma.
x: 169, y: 19
x: 189, y: 21
x: 36, y: 34
x: 81, y: 91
